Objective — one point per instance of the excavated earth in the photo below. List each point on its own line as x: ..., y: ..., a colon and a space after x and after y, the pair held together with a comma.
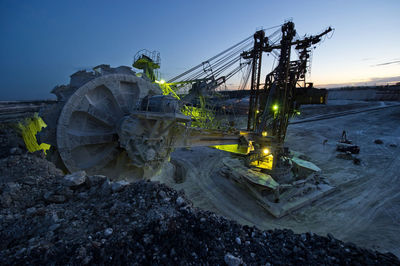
x: 49, y: 218
x: 364, y: 208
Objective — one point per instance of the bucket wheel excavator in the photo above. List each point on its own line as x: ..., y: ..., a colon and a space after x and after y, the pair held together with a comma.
x: 123, y: 124
x: 102, y: 130
x: 112, y: 122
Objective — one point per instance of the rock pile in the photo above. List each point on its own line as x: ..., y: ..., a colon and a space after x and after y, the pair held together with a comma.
x: 10, y: 142
x: 49, y: 218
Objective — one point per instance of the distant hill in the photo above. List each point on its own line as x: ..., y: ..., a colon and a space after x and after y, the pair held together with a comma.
x: 366, y: 93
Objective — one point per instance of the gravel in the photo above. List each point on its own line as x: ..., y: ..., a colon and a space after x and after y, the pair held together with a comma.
x: 10, y: 143
x: 48, y: 218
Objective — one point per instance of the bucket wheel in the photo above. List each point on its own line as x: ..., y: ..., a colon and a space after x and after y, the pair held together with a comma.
x: 96, y: 126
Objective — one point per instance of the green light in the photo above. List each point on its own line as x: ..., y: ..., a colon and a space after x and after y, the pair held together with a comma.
x: 298, y: 112
x: 275, y: 107
x: 202, y: 117
x: 234, y: 148
x: 166, y: 88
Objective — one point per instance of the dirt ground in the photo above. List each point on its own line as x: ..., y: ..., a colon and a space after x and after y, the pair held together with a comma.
x: 47, y: 218
x: 364, y: 208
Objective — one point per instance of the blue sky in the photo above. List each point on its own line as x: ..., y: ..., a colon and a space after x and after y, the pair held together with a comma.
x: 43, y: 42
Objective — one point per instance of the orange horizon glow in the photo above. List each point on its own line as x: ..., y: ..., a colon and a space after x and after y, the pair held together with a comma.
x: 376, y: 81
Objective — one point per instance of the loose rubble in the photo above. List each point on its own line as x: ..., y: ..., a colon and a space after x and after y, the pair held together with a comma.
x: 49, y: 218
x: 10, y: 143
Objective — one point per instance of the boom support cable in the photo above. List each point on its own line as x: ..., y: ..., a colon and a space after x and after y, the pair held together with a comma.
x: 210, y: 59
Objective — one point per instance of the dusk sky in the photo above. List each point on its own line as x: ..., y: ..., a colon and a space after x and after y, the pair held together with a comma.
x: 44, y: 42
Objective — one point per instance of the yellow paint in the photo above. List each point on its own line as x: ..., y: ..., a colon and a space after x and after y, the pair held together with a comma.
x: 234, y: 148
x: 29, y: 128
x: 264, y: 163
